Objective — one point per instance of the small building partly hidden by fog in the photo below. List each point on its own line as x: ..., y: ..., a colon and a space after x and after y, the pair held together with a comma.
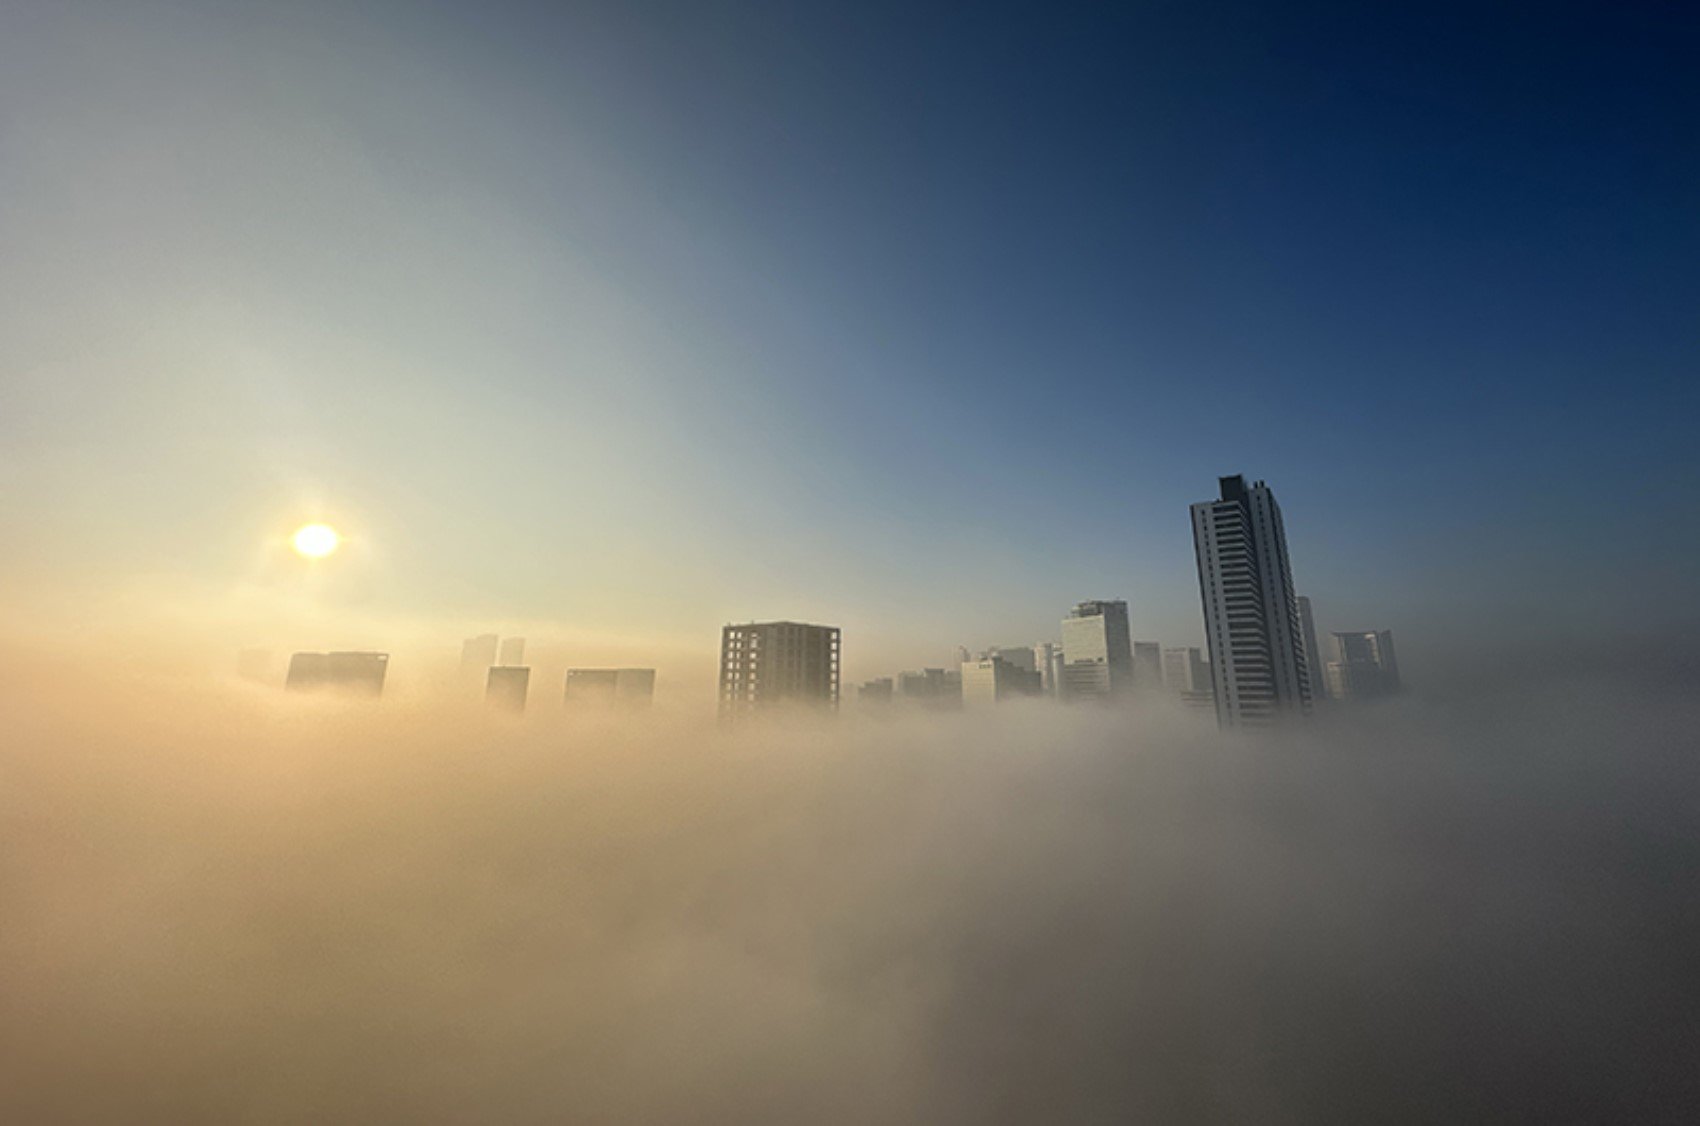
x: 604, y: 688
x: 1364, y: 666
x: 995, y: 680
x: 359, y: 674
x: 506, y: 687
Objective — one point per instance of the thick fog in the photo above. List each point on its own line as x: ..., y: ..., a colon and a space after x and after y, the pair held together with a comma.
x: 227, y: 904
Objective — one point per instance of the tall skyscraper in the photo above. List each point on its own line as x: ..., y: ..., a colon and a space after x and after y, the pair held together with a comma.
x: 1364, y: 665
x: 506, y: 687
x: 609, y: 687
x: 1097, y: 651
x: 773, y: 663
x: 359, y: 674
x: 513, y: 651
x: 1314, y: 660
x: 1251, y: 617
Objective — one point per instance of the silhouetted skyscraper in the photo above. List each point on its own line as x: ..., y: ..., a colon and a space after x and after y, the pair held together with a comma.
x: 513, y: 651
x: 608, y: 687
x: 507, y: 686
x: 1364, y: 665
x: 1251, y: 618
x: 1097, y: 651
x: 356, y: 673
x: 772, y: 663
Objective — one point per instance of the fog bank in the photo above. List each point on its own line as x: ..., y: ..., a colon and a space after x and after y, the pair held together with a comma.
x: 227, y: 904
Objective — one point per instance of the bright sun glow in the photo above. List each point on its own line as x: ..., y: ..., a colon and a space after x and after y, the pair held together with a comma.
x: 316, y: 541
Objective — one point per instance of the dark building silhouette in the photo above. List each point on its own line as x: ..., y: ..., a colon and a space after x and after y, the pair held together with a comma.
x: 356, y: 673
x: 610, y: 687
x: 506, y: 687
x: 1251, y: 616
x: 777, y: 663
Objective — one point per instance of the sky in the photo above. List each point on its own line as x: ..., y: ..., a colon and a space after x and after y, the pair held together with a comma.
x: 611, y: 323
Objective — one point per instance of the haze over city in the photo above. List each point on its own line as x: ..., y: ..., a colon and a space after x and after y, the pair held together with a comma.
x: 747, y: 562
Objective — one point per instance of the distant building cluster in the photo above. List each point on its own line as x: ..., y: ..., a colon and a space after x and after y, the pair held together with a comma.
x: 1260, y: 664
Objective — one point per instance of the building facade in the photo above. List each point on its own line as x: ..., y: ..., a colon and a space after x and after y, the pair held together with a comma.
x: 1097, y: 651
x: 1251, y: 616
x: 505, y: 687
x: 609, y: 687
x: 764, y: 665
x: 1314, y: 660
x: 1364, y: 665
x: 993, y: 680
x: 1147, y: 667
x: 360, y: 674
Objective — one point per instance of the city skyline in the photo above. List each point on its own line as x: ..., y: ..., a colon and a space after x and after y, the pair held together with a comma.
x: 790, y: 356
x: 851, y: 562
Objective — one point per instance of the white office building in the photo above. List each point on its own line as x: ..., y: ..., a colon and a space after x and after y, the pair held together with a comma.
x: 1097, y: 651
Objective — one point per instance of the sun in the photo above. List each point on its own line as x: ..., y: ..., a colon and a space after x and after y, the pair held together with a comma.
x: 316, y: 541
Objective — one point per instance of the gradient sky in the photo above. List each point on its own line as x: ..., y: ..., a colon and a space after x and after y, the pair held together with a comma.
x: 611, y: 322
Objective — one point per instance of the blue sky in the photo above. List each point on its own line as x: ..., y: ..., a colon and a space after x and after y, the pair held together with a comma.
x: 626, y: 319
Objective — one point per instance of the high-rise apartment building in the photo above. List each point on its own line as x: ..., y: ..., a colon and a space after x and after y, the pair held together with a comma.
x: 1097, y: 651
x: 1364, y: 665
x: 1314, y: 660
x: 506, y: 686
x: 356, y: 673
x: 1251, y: 617
x: 610, y: 687
x: 766, y: 664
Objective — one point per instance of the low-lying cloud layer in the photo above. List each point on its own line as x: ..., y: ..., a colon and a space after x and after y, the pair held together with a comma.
x: 239, y: 906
